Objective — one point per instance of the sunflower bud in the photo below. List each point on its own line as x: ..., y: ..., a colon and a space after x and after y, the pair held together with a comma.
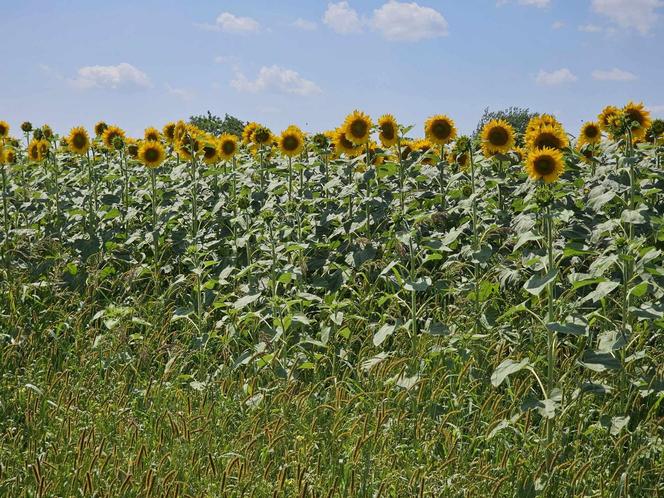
x: 26, y: 126
x: 543, y: 196
x: 621, y: 243
x: 118, y: 143
x: 38, y: 134
x: 47, y: 132
x: 267, y: 215
x: 243, y: 202
x: 467, y: 190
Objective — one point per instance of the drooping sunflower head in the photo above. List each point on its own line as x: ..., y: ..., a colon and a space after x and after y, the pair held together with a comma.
x: 590, y: 133
x: 388, y: 130
x: 291, y: 141
x: 638, y: 119
x: 26, y: 126
x: 100, y: 128
x: 424, y: 146
x: 440, y: 129
x: 497, y: 137
x: 9, y: 156
x: 321, y: 141
x: 587, y: 152
x: 47, y: 132
x: 179, y: 131
x: 344, y: 146
x: 357, y: 127
x: 4, y: 129
x: 656, y: 130
x: 545, y: 164
x: 553, y: 137
x: 607, y: 116
x: 248, y: 132
x: 151, y: 154
x: 110, y: 134
x: 227, y: 146
x: 169, y: 132
x: 78, y: 140
x: 132, y: 147
x: 262, y: 135
x: 210, y: 150
x: 152, y: 134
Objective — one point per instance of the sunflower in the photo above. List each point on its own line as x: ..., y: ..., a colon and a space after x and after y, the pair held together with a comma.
x: 110, y: 134
x: 179, y: 131
x: 423, y: 145
x: 262, y: 135
x: 344, y: 146
x: 248, y: 132
x: 538, y: 122
x: 607, y: 116
x: 357, y: 127
x: 587, y: 153
x: 151, y: 154
x: 590, y: 133
x: 132, y: 147
x: 497, y: 137
x: 152, y: 134
x: 9, y: 156
x: 639, y: 118
x: 291, y: 141
x: 211, y: 150
x: 78, y: 140
x: 36, y: 150
x: 100, y: 128
x: 169, y: 132
x: 553, y: 137
x: 227, y: 146
x: 439, y: 129
x: 545, y: 164
x: 388, y: 130
x: 4, y: 129
x: 47, y: 132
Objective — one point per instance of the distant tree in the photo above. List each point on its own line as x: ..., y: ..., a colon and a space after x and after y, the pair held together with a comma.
x: 216, y: 125
x: 518, y: 117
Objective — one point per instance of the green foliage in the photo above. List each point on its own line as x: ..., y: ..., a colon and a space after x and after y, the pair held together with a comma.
x: 216, y: 125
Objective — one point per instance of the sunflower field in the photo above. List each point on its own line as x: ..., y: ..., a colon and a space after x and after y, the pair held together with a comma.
x: 357, y: 312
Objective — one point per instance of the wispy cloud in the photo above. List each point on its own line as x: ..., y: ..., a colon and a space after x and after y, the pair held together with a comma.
x: 230, y: 23
x: 277, y: 79
x: 341, y: 18
x: 124, y: 75
x: 614, y: 74
x: 399, y: 21
x: 640, y: 15
x: 304, y: 24
x: 180, y: 93
x: 554, y: 78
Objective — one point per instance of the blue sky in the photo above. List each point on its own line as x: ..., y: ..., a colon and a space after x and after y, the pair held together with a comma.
x: 309, y: 62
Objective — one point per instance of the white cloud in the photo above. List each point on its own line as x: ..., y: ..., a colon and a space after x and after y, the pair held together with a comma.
x: 408, y: 21
x: 235, y: 24
x: 180, y: 93
x: 558, y: 25
x: 275, y: 78
x: 341, y: 18
x: 304, y: 24
x: 532, y: 3
x: 123, y: 75
x: 590, y: 28
x: 630, y: 14
x: 614, y: 74
x: 557, y: 77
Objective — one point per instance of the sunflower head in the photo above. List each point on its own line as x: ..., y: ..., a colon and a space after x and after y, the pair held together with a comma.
x: 110, y: 134
x: 26, y: 126
x: 545, y: 164
x: 388, y: 130
x: 344, y: 146
x: 152, y: 134
x: 587, y: 152
x: 248, y: 132
x: 637, y: 119
x: 132, y: 147
x: 169, y: 132
x: 4, y: 129
x: 590, y: 133
x: 37, y: 150
x: 9, y: 156
x: 100, y: 128
x: 262, y: 135
x: 607, y: 116
x: 440, y: 129
x: 423, y: 146
x: 227, y: 146
x: 210, y: 150
x: 321, y: 141
x: 151, y: 154
x: 497, y: 137
x: 47, y: 132
x: 291, y: 141
x: 179, y: 131
x: 357, y: 127
x: 656, y: 129
x: 553, y: 137
x: 78, y: 140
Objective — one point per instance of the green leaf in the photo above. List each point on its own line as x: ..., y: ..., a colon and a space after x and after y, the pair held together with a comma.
x: 599, y: 362
x: 507, y: 368
x: 419, y: 285
x: 576, y: 327
x: 382, y: 334
x: 245, y: 301
x: 602, y: 290
x: 634, y: 217
x: 537, y: 283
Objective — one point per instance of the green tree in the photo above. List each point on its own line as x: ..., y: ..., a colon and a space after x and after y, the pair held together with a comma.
x: 518, y: 117
x: 216, y: 125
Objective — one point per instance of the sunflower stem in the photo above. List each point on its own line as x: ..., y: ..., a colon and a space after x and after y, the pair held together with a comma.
x: 290, y: 180
x: 476, y: 244
x: 551, y: 338
x: 401, y: 178
x: 5, y: 211
x: 155, y: 229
